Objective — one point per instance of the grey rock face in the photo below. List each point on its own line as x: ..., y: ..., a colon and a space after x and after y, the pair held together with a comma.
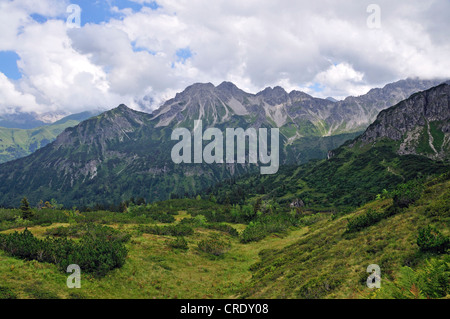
x: 421, y: 124
x: 275, y: 106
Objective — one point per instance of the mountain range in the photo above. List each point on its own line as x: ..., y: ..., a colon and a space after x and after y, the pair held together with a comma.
x: 419, y: 125
x: 296, y: 113
x: 406, y: 141
x: 17, y: 141
x: 123, y: 153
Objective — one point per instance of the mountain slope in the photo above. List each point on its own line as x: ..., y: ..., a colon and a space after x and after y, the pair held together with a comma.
x: 16, y: 142
x: 21, y: 121
x: 304, y: 121
x: 356, y: 113
x: 106, y: 159
x: 360, y: 169
x: 420, y: 124
x: 326, y: 262
x: 123, y: 153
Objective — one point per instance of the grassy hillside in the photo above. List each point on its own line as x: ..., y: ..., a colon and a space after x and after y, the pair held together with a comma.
x: 18, y: 142
x: 330, y: 262
x: 352, y: 177
x: 153, y: 268
x: 15, y: 143
x: 184, y: 249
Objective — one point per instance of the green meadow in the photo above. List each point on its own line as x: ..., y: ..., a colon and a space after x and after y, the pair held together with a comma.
x: 195, y: 248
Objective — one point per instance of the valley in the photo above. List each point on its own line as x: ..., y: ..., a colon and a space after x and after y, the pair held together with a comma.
x: 224, y: 231
x: 224, y: 158
x: 314, y: 259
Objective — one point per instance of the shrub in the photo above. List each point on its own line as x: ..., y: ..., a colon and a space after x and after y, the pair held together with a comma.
x: 96, y: 254
x: 429, y: 281
x: 214, y: 246
x: 149, y: 211
x: 440, y: 206
x: 179, y: 243
x: 95, y: 231
x: 431, y: 240
x: 6, y: 293
x: 407, y: 193
x: 255, y: 231
x: 170, y: 230
x: 90, y: 230
x: 318, y: 288
x: 199, y: 220
x: 434, y: 278
x: 265, y: 225
x: 369, y: 218
x: 223, y: 228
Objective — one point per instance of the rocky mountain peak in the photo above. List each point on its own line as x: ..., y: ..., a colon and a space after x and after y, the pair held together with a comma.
x: 114, y: 124
x: 227, y: 87
x: 420, y: 123
x: 123, y: 107
x: 199, y: 88
x: 274, y: 96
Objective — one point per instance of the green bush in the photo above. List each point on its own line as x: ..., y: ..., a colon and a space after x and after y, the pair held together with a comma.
x: 214, y: 245
x: 200, y: 220
x: 440, y: 206
x: 369, y: 218
x: 96, y: 256
x: 406, y: 194
x: 150, y: 212
x: 94, y: 253
x: 179, y: 243
x: 265, y: 225
x: 432, y: 280
x: 431, y: 240
x: 223, y: 228
x: 318, y: 288
x: 90, y: 230
x: 6, y: 293
x: 170, y: 230
x: 255, y: 231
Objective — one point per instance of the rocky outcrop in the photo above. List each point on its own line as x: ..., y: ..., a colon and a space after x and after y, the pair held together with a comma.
x: 420, y: 123
x: 274, y: 106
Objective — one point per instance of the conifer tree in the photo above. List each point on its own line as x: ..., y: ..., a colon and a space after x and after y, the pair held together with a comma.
x: 27, y: 213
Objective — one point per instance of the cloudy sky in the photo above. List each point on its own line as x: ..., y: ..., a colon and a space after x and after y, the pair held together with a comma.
x: 141, y: 52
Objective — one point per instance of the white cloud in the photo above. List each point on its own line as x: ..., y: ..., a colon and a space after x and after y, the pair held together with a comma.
x: 340, y: 81
x: 11, y: 99
x: 295, y: 44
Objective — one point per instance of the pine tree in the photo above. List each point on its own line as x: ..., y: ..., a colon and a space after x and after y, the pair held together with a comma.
x: 27, y: 213
x: 123, y: 207
x: 257, y: 206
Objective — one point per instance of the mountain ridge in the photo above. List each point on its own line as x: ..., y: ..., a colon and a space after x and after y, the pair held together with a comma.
x: 123, y: 153
x: 16, y: 142
x: 355, y: 172
x: 275, y: 106
x: 421, y: 124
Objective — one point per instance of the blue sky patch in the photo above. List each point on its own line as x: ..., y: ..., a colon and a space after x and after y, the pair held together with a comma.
x: 317, y: 87
x: 183, y: 54
x: 38, y: 18
x: 100, y: 11
x: 8, y: 64
x: 137, y: 48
